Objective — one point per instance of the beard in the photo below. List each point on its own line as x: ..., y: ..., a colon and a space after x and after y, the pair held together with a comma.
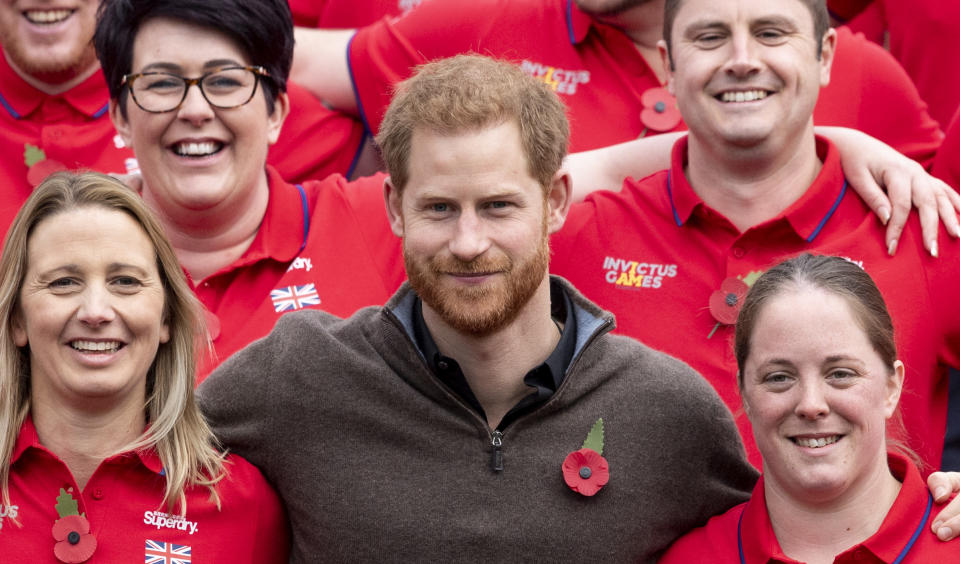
x: 608, y: 7
x: 486, y: 308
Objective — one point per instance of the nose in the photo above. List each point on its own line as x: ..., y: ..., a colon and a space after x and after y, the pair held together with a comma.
x: 470, y: 238
x: 96, y: 307
x: 742, y: 61
x: 195, y: 107
x: 812, y: 403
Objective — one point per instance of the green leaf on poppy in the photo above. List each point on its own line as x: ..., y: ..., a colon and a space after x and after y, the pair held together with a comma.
x: 750, y: 278
x: 33, y: 154
x: 594, y: 440
x: 66, y: 505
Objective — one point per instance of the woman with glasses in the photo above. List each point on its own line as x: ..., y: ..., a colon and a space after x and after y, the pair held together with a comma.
x: 820, y: 380
x: 198, y: 91
x: 104, y: 456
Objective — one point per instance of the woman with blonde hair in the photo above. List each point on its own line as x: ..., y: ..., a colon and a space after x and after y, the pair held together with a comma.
x: 820, y: 380
x: 101, y: 440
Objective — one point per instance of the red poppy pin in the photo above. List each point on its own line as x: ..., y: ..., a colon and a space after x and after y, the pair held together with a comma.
x: 585, y: 470
x: 660, y: 111
x: 74, y: 544
x: 39, y: 166
x: 726, y: 302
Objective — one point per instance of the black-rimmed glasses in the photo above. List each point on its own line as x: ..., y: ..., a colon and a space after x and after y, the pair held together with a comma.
x: 224, y: 88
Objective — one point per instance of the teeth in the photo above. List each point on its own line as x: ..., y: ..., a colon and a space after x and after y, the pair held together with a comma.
x: 47, y: 16
x: 748, y: 96
x: 817, y: 443
x: 197, y: 149
x: 96, y: 346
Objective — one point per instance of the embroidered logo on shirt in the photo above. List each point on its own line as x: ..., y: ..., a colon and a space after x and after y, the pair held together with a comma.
x: 166, y: 521
x: 407, y: 5
x: 630, y: 274
x: 562, y: 81
x: 293, y: 298
x: 300, y: 263
x: 166, y: 553
x: 8, y: 512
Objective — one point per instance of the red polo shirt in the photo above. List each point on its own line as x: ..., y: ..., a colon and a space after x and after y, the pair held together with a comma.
x: 322, y: 245
x: 122, y: 501
x: 947, y: 164
x: 717, y: 542
x: 654, y: 254
x: 73, y: 129
x: 600, y: 75
x: 923, y: 37
x: 346, y: 13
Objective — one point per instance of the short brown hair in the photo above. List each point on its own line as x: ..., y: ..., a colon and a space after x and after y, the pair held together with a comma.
x: 835, y: 275
x: 818, y: 11
x: 467, y: 93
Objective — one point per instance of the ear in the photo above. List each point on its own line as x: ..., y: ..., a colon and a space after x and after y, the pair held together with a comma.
x: 120, y: 123
x: 281, y: 108
x: 894, y: 387
x: 19, y: 331
x: 667, y: 67
x: 827, y: 51
x: 164, y: 331
x: 394, y: 202
x: 559, y: 197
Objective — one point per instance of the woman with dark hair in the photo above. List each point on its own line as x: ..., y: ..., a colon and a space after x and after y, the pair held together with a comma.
x: 820, y: 381
x: 198, y: 90
x: 101, y: 439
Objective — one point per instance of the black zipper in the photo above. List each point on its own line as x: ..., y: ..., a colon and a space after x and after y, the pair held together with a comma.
x: 496, y: 459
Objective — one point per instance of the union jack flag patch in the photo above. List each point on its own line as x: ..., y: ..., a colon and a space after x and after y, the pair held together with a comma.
x: 293, y: 298
x: 166, y: 553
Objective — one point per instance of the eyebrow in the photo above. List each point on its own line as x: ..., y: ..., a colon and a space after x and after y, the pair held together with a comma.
x: 173, y: 68
x: 111, y: 268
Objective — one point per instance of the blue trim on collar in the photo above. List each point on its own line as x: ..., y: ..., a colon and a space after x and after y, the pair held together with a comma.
x: 356, y: 94
x: 306, y: 218
x: 356, y: 155
x: 570, y: 34
x: 6, y: 105
x: 102, y: 110
x: 673, y: 208
x: 830, y: 213
x: 916, y: 534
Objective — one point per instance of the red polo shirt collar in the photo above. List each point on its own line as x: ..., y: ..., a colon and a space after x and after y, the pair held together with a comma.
x: 283, y: 232
x: 28, y: 438
x: 806, y: 216
x: 19, y: 99
x: 578, y: 23
x: 760, y: 545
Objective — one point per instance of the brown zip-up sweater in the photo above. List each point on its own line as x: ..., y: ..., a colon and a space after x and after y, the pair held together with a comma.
x: 378, y: 461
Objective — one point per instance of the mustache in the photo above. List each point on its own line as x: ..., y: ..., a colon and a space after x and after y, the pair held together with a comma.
x: 479, y: 265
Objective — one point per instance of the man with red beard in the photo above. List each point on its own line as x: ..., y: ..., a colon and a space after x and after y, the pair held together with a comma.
x: 486, y: 413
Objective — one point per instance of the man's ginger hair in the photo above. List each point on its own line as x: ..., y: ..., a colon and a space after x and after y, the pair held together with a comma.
x: 469, y: 93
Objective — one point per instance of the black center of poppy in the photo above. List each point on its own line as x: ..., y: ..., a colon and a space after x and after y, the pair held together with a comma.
x: 731, y: 300
x: 585, y: 472
x: 660, y: 107
x: 73, y: 537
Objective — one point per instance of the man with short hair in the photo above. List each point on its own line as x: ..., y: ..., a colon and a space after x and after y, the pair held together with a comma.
x: 751, y: 185
x: 486, y: 413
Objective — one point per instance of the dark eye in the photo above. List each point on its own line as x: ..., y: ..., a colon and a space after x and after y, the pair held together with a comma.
x: 439, y: 208
x: 160, y: 83
x: 221, y: 81
x: 711, y: 39
x: 841, y: 375
x: 61, y: 283
x: 770, y: 36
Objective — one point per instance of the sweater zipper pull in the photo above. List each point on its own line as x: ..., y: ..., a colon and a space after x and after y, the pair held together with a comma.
x: 496, y: 461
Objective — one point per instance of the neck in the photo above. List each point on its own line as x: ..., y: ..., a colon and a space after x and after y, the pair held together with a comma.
x: 207, y: 240
x: 752, y: 185
x: 54, y: 83
x: 494, y: 365
x: 643, y: 24
x: 813, y: 531
x: 82, y: 436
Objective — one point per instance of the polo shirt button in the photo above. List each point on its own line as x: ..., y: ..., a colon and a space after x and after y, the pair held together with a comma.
x: 738, y: 252
x: 98, y: 493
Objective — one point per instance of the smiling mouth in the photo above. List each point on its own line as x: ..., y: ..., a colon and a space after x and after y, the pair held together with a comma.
x: 96, y: 347
x: 47, y: 17
x: 202, y: 149
x: 819, y: 442
x: 743, y: 96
